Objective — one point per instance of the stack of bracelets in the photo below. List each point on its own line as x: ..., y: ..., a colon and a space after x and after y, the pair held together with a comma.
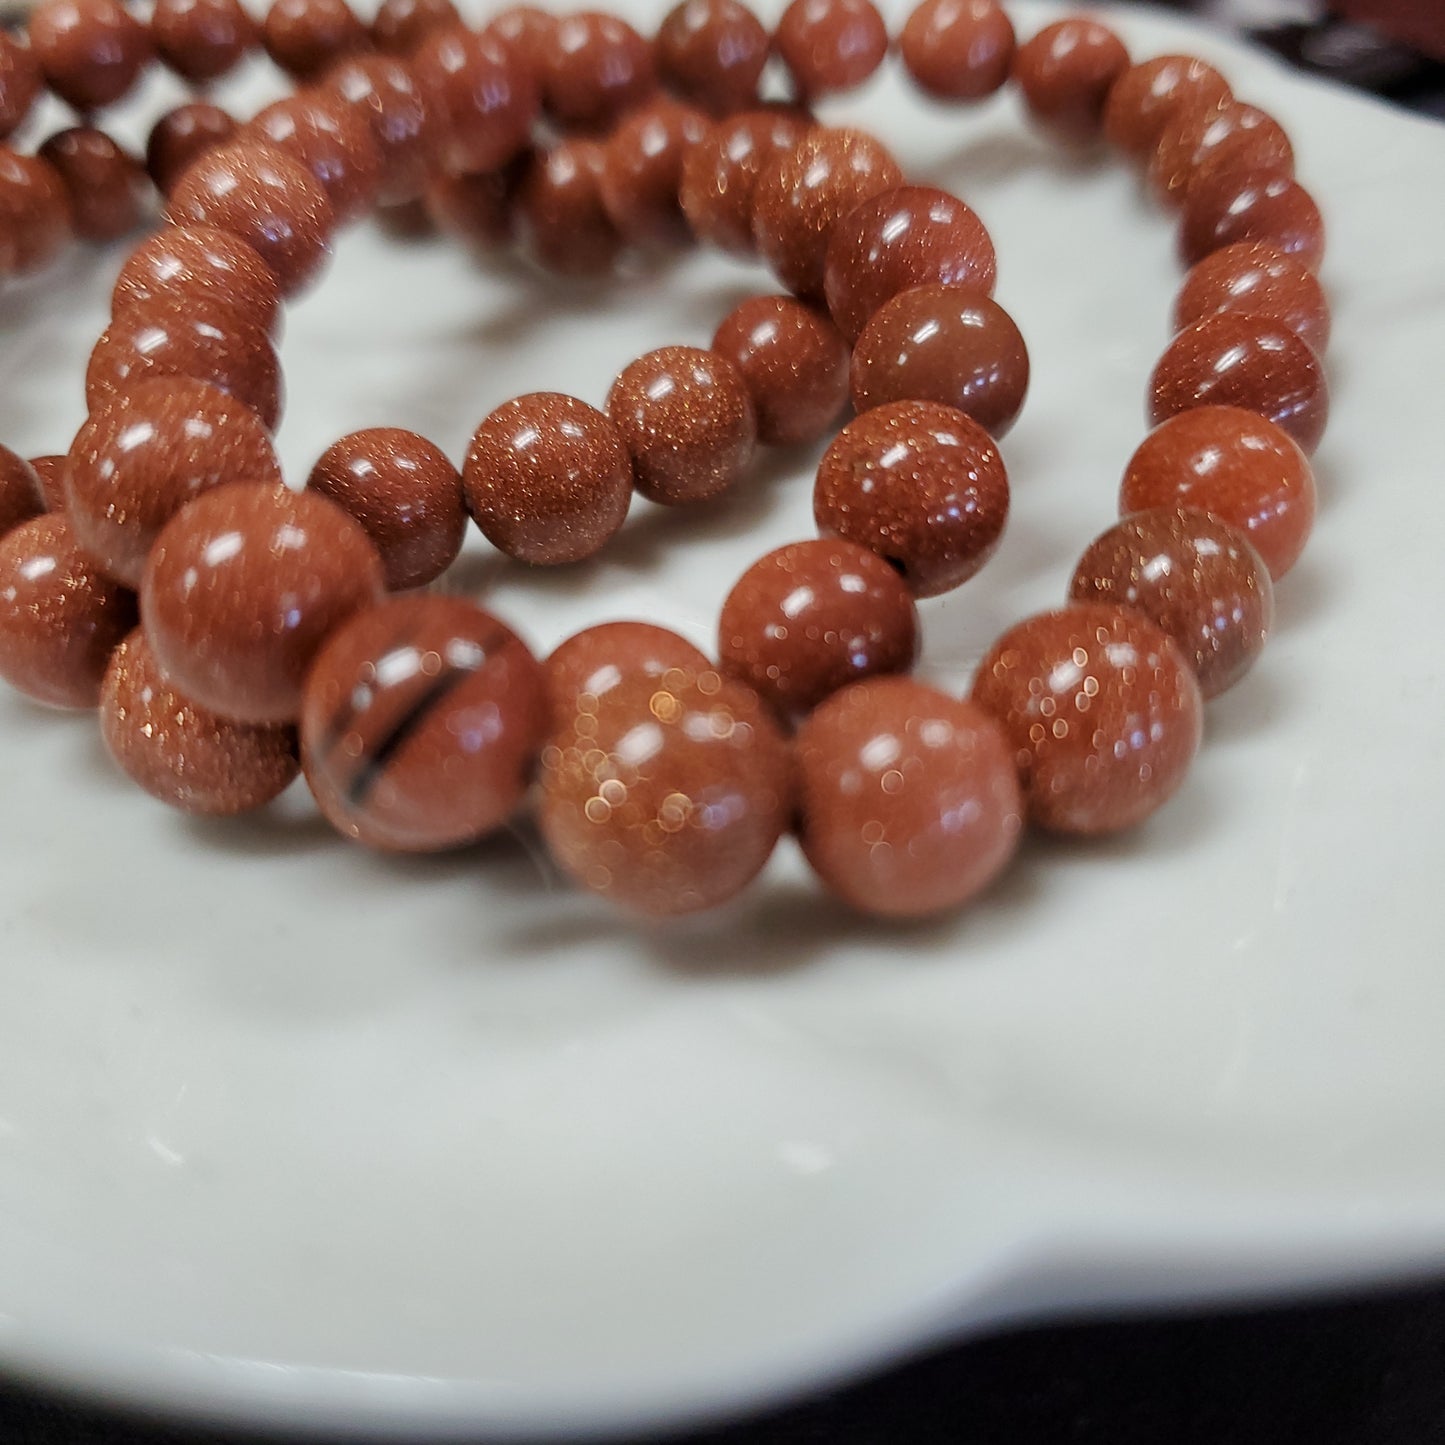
x: 234, y: 631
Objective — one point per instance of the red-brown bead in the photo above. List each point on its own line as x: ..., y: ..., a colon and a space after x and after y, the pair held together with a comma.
x: 181, y: 136
x: 1256, y: 278
x: 305, y: 37
x: 595, y: 70
x: 105, y: 185
x: 34, y: 214
x: 22, y: 495
x: 562, y: 222
x: 958, y: 49
x: 830, y: 45
x: 712, y: 53
x: 485, y: 98
x: 202, y: 40
x: 1142, y: 100
x: 596, y: 659
x: 90, y: 51
x: 400, y: 26
x: 50, y: 470
x: 1251, y: 206
x: 20, y: 83
x: 1066, y: 72
x: 403, y: 121
x: 642, y: 172
x: 334, y: 143
x: 1198, y: 131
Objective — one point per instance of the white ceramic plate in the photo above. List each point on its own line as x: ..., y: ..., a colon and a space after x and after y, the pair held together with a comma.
x: 289, y: 1133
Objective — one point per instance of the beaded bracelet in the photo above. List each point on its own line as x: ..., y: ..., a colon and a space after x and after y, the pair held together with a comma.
x: 662, y: 781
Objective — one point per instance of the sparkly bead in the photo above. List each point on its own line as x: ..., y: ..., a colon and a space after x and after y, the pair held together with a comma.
x: 530, y: 34
x: 181, y: 136
x: 812, y: 617
x: 486, y: 100
x: 1252, y: 206
x: 1235, y: 359
x: 1195, y: 578
x: 1066, y: 72
x: 304, y: 37
x: 946, y: 344
x: 794, y: 362
x: 20, y: 83
x: 1198, y: 131
x: 561, y: 221
x: 801, y: 195
x: 60, y: 618
x: 146, y: 451
x: 921, y: 485
x: 596, y: 659
x: 268, y: 200
x: 1234, y: 465
x: 908, y: 799
x: 595, y: 70
x: 1146, y: 95
x: 666, y: 795
x: 548, y: 478
x: 712, y: 53
x: 182, y: 754
x: 326, y: 136
x: 50, y: 470
x: 1255, y: 277
x: 202, y: 40
x: 478, y: 210
x: 21, y: 494
x: 642, y: 172
x: 720, y: 173
x: 687, y: 420
x: 90, y: 51
x: 830, y: 45
x: 903, y: 238
x: 958, y: 49
x: 421, y: 721
x: 402, y: 121
x: 1102, y: 711
x: 105, y: 185
x: 168, y: 337
x: 401, y: 25
x: 34, y: 214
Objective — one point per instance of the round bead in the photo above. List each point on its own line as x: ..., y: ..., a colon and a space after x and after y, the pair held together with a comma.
x: 182, y: 754
x: 1066, y: 72
x: 1257, y: 278
x: 1252, y: 207
x: 21, y: 493
x: 595, y: 70
x: 1234, y: 465
x: 530, y: 34
x: 243, y: 587
x: 333, y: 142
x: 642, y: 172
x: 908, y: 799
x: 201, y: 40
x: 167, y: 337
x: 596, y: 659
x: 830, y: 45
x: 265, y: 198
x: 181, y: 136
x: 1102, y: 711
x: 720, y: 173
x: 1252, y: 362
x: 90, y: 51
x: 1146, y: 95
x: 548, y: 478
x: 60, y: 617
x: 794, y: 362
x: 405, y: 494
x: 811, y: 617
x: 712, y: 53
x: 801, y: 195
x: 1195, y: 578
x: 304, y: 37
x: 900, y: 239
x: 958, y: 49
x: 561, y: 221
x: 144, y: 452
x: 1197, y: 132
x: 479, y: 210
x: 485, y: 98
x: 105, y: 185
x: 421, y: 722
x: 921, y: 485
x: 666, y: 795
x: 20, y: 83
x: 946, y: 344
x: 401, y: 25
x: 50, y: 471
x: 686, y: 419
x: 34, y: 214
x: 403, y: 124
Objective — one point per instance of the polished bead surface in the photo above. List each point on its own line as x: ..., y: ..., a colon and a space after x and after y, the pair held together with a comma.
x: 403, y: 122
x: 169, y: 337
x: 946, y: 344
x: 830, y: 45
x: 60, y: 616
x: 595, y: 70
x: 1234, y: 465
x: 1066, y: 72
x: 332, y: 141
x: 720, y: 173
x: 421, y: 722
x: 802, y: 194
x: 900, y: 239
x: 794, y: 361
x: 812, y: 617
x: 147, y: 450
x: 1252, y: 206
x: 182, y: 754
x: 181, y: 136
x: 908, y: 800
x: 958, y: 49
x: 1198, y: 132
x: 665, y: 795
x: 687, y: 420
x: 267, y: 199
x: 1103, y: 713
x: 1146, y: 95
x: 1257, y: 278
x: 548, y: 478
x: 34, y: 214
x: 1195, y: 578
x: 921, y: 485
x: 202, y: 40
x: 529, y: 32
x: 596, y: 659
x: 50, y: 471
x: 399, y: 26
x: 90, y: 51
x: 1236, y: 359
x: 478, y: 210
x: 20, y: 83
x: 304, y: 37
x: 242, y: 588
x: 712, y: 53
x: 485, y: 98
x: 22, y: 495
x: 105, y: 185
x: 562, y: 223
x: 642, y: 172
